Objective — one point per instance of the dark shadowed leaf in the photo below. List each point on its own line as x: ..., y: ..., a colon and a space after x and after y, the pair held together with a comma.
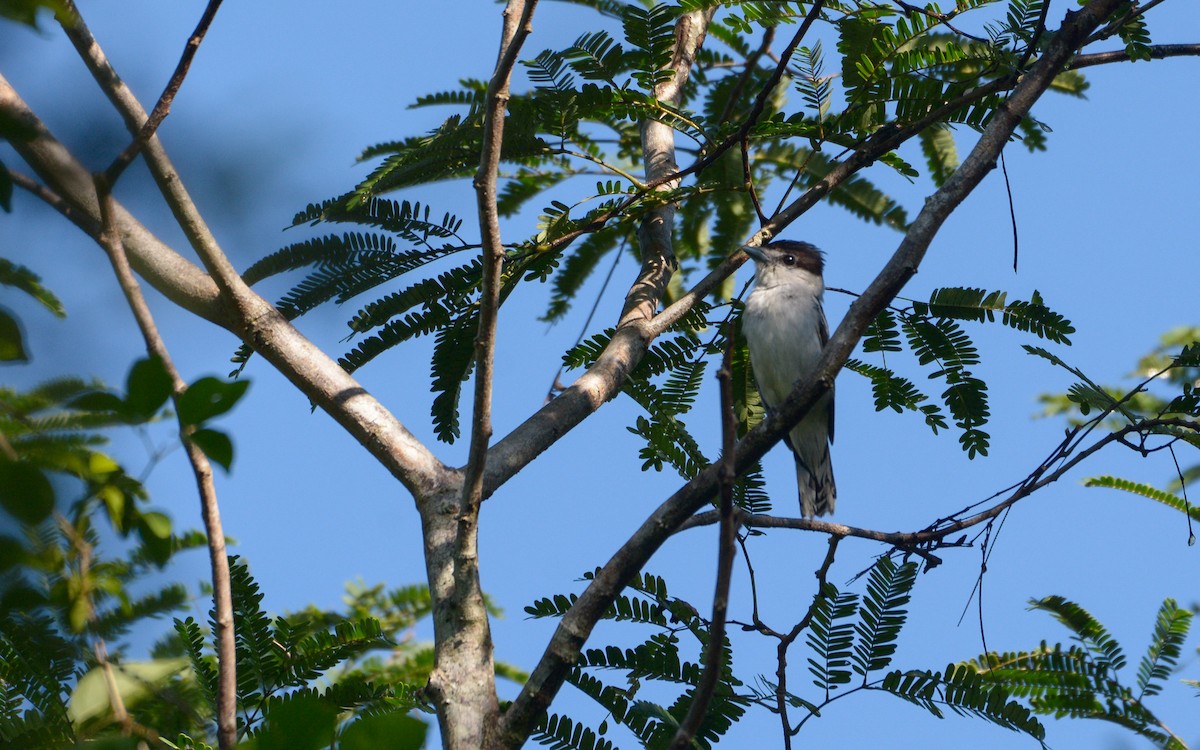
x: 12, y: 343
x: 209, y: 397
x: 395, y: 730
x: 25, y: 492
x: 216, y: 445
x: 147, y: 388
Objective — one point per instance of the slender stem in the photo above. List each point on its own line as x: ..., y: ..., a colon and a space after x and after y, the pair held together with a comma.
x: 714, y: 648
x: 1157, y: 52
x: 913, y: 541
x: 517, y: 26
x: 110, y: 240
x: 163, y: 107
x: 55, y: 201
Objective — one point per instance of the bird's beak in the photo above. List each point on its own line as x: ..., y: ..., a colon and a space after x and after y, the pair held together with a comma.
x: 756, y: 253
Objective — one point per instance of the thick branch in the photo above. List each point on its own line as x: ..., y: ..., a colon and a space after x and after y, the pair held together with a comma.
x: 658, y: 155
x: 577, y: 624
x: 463, y: 679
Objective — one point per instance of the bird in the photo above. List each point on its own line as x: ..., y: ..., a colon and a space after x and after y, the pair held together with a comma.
x: 785, y: 328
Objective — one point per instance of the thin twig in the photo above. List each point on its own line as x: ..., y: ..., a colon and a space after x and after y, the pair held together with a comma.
x: 1187, y: 507
x: 163, y: 107
x: 556, y: 386
x: 786, y: 641
x: 518, y: 21
x: 751, y: 64
x: 1157, y: 52
x: 110, y: 240
x: 1012, y: 211
x: 55, y: 201
x: 714, y: 649
x: 937, y: 533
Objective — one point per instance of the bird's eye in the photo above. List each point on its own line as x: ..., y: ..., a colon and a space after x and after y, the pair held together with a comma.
x: 789, y: 260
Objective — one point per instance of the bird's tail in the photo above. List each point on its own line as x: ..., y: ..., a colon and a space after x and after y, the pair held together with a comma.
x: 818, y: 492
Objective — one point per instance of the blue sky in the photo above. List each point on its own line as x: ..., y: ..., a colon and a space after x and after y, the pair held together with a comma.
x: 1108, y: 232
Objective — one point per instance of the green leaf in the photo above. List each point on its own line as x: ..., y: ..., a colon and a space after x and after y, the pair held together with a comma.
x: 394, y: 730
x: 147, y: 388
x: 26, y: 12
x: 1137, y: 488
x: 297, y: 722
x: 20, y: 277
x: 1088, y: 630
x: 12, y: 342
x: 1170, y: 631
x: 209, y: 397
x: 134, y: 681
x: 941, y: 154
x: 98, y: 401
x: 154, y: 529
x: 25, y: 492
x: 882, y: 614
x: 216, y: 445
x: 6, y: 189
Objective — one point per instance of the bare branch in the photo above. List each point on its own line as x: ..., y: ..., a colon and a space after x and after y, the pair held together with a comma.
x: 576, y: 625
x: 257, y: 322
x: 463, y: 680
x: 714, y: 649
x: 786, y: 641
x: 110, y: 240
x: 517, y: 25
x: 55, y: 201
x: 167, y: 271
x: 163, y: 107
x: 934, y: 537
x: 1157, y: 52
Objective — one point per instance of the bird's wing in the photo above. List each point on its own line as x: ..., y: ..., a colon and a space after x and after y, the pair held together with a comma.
x: 823, y: 336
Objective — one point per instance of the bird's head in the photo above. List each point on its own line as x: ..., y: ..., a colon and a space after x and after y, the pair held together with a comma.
x: 786, y: 262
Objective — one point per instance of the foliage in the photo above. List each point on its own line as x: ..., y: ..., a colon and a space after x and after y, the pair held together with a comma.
x: 571, y: 155
x: 67, y: 602
x: 1084, y: 681
x: 932, y: 333
x: 1155, y: 412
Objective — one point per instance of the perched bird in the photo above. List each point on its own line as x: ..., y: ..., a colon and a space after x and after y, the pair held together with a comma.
x: 785, y: 326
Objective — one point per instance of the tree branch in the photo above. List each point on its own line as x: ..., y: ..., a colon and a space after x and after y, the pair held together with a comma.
x: 517, y: 25
x: 576, y: 625
x: 163, y: 107
x: 463, y: 681
x: 55, y: 201
x: 201, y: 468
x: 714, y: 648
x: 170, y: 273
x: 257, y: 322
x: 1157, y: 52
x: 658, y: 152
